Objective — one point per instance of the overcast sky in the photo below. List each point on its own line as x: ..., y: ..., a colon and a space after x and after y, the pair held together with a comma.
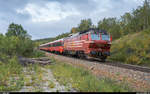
x: 49, y: 18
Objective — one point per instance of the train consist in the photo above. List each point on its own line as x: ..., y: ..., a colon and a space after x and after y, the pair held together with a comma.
x: 93, y: 42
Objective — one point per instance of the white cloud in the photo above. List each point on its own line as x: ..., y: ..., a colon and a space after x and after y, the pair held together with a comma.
x: 51, y: 17
x: 135, y: 2
x: 113, y: 8
x: 52, y: 11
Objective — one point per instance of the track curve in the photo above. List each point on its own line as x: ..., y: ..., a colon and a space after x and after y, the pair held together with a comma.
x: 136, y: 76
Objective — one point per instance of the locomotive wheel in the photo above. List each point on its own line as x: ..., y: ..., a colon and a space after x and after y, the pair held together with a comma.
x: 78, y: 54
x: 103, y: 59
x: 81, y: 55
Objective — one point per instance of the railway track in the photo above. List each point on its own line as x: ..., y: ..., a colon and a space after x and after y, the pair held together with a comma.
x: 128, y: 66
x: 116, y: 64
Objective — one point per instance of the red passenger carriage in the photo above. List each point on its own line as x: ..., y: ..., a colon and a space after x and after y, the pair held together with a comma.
x: 55, y: 46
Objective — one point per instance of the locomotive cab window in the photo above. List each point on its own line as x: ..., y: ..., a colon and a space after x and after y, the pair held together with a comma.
x: 105, y: 37
x: 95, y: 36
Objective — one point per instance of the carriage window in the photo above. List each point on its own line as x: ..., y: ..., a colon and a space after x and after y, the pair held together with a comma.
x: 58, y: 44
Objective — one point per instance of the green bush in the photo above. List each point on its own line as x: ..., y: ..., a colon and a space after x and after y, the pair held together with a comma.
x: 37, y: 54
x: 16, y: 42
x: 15, y: 46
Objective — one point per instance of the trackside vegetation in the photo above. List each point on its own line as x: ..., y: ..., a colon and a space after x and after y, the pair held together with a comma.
x: 82, y: 80
x: 132, y: 49
x: 11, y: 77
x: 14, y: 44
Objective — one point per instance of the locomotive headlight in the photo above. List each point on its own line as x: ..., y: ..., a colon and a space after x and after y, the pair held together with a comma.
x: 93, y: 53
x: 108, y: 42
x: 91, y: 41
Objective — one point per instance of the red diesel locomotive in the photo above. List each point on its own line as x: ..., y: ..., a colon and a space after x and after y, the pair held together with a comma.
x: 93, y: 42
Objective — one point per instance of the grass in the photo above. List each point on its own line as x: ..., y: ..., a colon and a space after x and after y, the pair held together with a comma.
x: 35, y: 77
x: 51, y: 84
x: 37, y: 54
x: 82, y: 80
x: 132, y: 49
x: 11, y: 77
x: 38, y: 72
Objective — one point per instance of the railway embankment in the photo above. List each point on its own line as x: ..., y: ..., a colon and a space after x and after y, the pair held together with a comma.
x: 132, y: 49
x: 139, y: 80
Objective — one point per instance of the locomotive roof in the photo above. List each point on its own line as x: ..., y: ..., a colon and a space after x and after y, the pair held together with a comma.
x: 86, y: 31
x: 94, y: 29
x: 57, y: 40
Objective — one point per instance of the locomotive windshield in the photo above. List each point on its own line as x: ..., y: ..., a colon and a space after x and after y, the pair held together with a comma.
x: 95, y: 36
x: 105, y: 37
x: 100, y: 34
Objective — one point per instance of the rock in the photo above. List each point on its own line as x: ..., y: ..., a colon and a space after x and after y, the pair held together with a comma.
x: 92, y: 68
x: 42, y: 61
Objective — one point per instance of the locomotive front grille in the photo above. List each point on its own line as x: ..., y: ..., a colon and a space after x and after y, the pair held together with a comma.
x: 94, y: 53
x: 106, y: 53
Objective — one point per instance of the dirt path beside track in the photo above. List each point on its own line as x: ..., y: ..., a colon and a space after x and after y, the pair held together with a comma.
x: 45, y: 83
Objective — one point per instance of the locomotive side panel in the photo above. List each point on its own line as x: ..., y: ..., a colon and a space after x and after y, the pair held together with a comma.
x: 76, y: 44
